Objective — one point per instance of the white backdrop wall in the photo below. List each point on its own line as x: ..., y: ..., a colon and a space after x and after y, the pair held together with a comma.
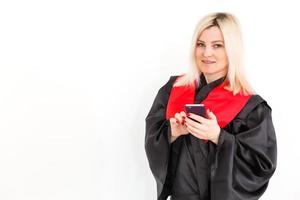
x: 77, y: 79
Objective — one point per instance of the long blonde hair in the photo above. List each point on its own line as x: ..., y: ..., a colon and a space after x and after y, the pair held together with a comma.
x: 230, y: 29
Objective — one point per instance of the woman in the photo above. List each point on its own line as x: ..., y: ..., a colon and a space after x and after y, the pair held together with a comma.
x: 231, y: 153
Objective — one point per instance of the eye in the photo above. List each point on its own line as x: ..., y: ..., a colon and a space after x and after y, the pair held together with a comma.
x: 200, y: 44
x: 217, y: 45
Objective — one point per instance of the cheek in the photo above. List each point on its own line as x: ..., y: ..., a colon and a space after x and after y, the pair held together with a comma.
x: 222, y: 57
x: 199, y: 51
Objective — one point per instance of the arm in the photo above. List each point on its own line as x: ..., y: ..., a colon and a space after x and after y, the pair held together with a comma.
x: 245, y: 161
x: 158, y: 137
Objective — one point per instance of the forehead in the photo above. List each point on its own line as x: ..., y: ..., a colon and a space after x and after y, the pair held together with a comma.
x: 211, y: 34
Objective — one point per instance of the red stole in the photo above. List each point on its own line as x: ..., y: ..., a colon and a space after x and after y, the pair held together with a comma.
x: 220, y: 101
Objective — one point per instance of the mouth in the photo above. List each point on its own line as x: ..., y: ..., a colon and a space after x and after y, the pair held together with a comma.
x: 208, y: 61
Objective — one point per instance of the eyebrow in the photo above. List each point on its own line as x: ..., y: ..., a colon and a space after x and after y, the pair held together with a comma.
x: 212, y: 41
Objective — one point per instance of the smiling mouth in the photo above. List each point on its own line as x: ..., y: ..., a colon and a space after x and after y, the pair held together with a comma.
x: 208, y: 61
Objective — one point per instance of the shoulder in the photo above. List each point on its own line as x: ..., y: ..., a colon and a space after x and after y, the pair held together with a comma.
x: 164, y: 91
x: 169, y: 84
x: 256, y: 104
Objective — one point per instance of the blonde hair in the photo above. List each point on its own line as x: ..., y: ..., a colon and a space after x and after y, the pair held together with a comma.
x: 230, y: 29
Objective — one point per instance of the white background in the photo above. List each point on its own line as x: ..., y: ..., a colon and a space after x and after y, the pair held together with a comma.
x: 77, y: 79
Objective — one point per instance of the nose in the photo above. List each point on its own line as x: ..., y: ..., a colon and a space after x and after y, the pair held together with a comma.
x: 207, y: 52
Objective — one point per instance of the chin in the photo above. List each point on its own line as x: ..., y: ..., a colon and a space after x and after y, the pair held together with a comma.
x: 209, y: 73
x: 204, y: 70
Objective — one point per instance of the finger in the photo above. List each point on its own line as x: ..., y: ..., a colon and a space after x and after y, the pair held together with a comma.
x: 178, y: 118
x: 194, y: 124
x: 197, y: 135
x: 198, y: 118
x: 183, y: 114
x: 173, y: 121
x: 207, y: 112
x: 197, y: 130
x: 211, y: 115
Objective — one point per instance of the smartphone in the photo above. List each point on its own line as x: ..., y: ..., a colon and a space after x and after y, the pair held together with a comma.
x: 198, y: 109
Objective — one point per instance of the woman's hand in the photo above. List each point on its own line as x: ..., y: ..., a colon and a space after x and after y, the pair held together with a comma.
x: 177, y: 125
x: 205, y: 128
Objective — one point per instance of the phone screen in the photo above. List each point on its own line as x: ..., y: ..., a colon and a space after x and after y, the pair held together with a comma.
x: 198, y: 109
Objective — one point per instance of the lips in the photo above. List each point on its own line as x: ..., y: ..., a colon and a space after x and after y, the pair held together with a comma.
x: 208, y: 61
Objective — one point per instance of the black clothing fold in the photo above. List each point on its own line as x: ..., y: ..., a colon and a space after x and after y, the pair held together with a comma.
x: 239, y: 167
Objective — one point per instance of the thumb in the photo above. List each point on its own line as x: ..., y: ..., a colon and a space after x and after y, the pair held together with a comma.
x: 173, y: 121
x: 211, y: 115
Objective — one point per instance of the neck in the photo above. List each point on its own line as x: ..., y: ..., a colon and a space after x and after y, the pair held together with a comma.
x: 212, y: 77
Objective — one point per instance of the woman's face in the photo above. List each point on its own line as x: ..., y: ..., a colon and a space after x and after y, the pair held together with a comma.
x: 211, y: 57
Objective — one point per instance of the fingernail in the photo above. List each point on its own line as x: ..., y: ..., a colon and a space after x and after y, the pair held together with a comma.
x: 183, y: 117
x: 188, y: 114
x: 182, y: 123
x: 177, y: 121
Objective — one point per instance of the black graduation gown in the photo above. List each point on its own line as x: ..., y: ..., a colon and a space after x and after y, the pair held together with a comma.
x: 239, y: 167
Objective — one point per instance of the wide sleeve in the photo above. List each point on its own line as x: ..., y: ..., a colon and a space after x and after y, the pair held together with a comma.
x: 245, y: 161
x: 157, y: 137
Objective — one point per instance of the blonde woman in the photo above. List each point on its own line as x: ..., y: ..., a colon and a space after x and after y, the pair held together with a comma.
x: 228, y: 153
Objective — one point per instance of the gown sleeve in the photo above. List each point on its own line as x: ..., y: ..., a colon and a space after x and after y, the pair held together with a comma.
x: 157, y: 138
x: 245, y: 160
